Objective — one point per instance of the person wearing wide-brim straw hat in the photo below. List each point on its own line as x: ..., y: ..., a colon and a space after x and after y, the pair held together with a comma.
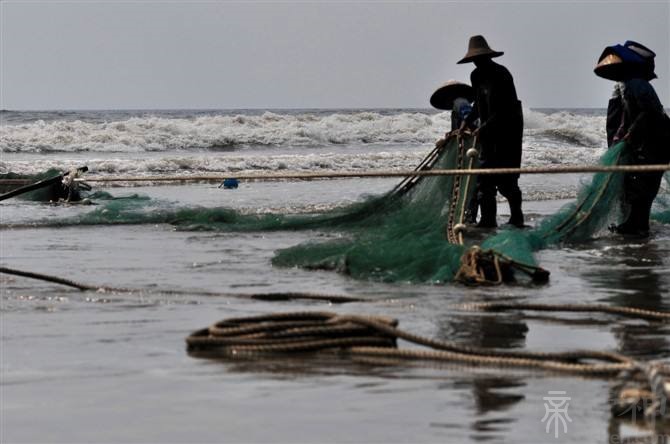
x: 643, y: 125
x: 500, y: 131
x: 444, y: 96
x: 622, y: 62
x: 456, y: 97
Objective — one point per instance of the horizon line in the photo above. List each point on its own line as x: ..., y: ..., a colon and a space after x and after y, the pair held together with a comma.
x: 4, y: 110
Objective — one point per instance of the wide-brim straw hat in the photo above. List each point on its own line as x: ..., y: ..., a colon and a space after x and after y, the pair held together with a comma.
x: 619, y: 63
x: 444, y: 96
x: 477, y: 47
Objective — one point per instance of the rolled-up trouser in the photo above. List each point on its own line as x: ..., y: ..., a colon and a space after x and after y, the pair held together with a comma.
x: 487, y: 188
x: 640, y: 190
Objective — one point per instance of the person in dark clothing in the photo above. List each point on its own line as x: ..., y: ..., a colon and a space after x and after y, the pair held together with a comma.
x: 457, y: 97
x: 638, y: 58
x: 500, y: 131
x: 644, y: 126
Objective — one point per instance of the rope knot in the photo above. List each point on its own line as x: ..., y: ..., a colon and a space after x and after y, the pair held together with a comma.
x: 489, y: 267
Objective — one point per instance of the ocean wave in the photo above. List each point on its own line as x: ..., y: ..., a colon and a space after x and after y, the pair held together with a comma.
x: 565, y: 127
x: 138, y: 134
x: 207, y: 164
x: 234, y: 131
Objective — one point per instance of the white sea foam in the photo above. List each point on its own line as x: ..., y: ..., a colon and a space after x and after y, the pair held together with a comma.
x: 227, y: 131
x: 200, y: 163
x: 226, y: 163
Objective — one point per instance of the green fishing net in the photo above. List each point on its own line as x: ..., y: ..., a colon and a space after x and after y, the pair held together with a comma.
x: 598, y: 203
x: 406, y: 241
x: 662, y: 208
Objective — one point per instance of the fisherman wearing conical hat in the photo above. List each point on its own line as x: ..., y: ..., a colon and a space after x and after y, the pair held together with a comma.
x: 500, y: 131
x: 456, y: 97
x: 642, y: 123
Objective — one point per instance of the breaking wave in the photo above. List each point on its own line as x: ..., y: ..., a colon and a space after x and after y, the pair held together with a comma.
x: 226, y: 131
x: 221, y: 132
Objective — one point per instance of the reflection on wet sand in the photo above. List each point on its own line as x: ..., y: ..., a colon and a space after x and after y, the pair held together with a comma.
x: 490, y: 394
x: 636, y: 276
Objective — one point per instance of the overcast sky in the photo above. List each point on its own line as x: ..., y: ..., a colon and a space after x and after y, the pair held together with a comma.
x: 309, y: 54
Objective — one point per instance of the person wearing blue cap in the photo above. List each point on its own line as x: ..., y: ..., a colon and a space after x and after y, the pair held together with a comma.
x: 457, y: 97
x: 636, y: 116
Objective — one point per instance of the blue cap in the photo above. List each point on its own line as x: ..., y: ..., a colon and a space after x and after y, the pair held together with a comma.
x: 627, y: 54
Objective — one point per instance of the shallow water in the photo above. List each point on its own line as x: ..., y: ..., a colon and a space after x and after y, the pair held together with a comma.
x: 113, y: 367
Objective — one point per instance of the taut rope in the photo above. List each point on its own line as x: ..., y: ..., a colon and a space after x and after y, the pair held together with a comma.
x: 387, y: 173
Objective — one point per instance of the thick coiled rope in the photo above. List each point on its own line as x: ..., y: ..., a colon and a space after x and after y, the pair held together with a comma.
x: 377, y: 336
x: 373, y: 339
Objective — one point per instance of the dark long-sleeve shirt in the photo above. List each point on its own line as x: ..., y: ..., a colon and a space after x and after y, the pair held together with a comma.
x: 614, y: 116
x: 645, y: 121
x: 499, y: 110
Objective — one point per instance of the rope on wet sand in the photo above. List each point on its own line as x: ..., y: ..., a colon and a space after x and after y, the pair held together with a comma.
x: 278, y: 296
x: 602, y: 308
x: 376, y: 338
x: 49, y: 278
x: 566, y: 169
x: 633, y: 312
